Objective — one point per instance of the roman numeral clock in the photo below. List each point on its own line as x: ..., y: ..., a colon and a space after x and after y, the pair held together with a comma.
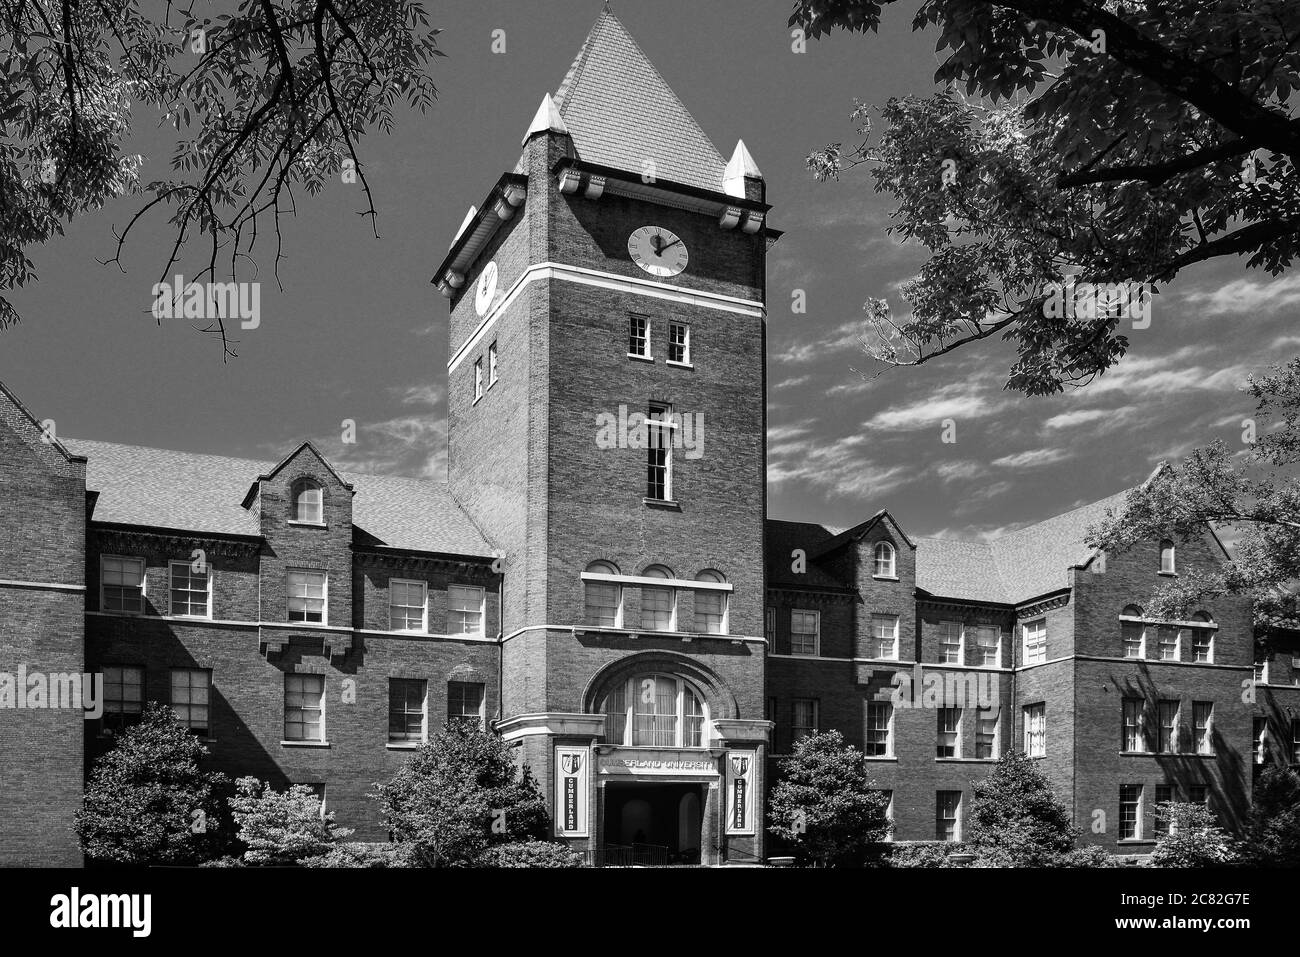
x: 658, y: 251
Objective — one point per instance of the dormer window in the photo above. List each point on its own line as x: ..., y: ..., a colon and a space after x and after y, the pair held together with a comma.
x: 885, y: 567
x: 1167, y: 558
x: 307, y: 503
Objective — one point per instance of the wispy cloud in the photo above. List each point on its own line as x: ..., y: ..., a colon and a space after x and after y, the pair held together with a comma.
x: 1247, y: 295
x: 957, y: 401
x: 1032, y: 458
x: 1067, y: 420
x: 840, y: 467
x: 843, y: 336
x: 413, y: 444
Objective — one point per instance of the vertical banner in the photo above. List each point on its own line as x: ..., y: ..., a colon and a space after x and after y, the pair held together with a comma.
x: 572, y: 768
x: 740, y: 792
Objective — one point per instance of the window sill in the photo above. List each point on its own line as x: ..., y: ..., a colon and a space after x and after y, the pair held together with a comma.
x: 888, y: 758
x: 664, y: 503
x: 633, y: 355
x: 304, y: 744
x: 966, y: 760
x: 1130, y: 841
x: 885, y: 578
x: 1168, y: 574
x: 1139, y: 754
x: 404, y: 745
x: 294, y: 521
x: 680, y: 365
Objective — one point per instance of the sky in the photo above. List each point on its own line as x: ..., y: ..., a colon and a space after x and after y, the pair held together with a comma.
x: 359, y: 333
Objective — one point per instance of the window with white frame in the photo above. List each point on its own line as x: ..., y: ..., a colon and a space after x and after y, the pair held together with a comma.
x: 880, y: 729
x: 949, y: 733
x: 465, y: 610
x: 1130, y: 812
x: 304, y: 707
x: 655, y: 711
x: 1167, y: 566
x: 1261, y: 671
x: 884, y: 634
x: 1203, y: 644
x: 123, y: 696
x: 1164, y: 795
x: 986, y: 732
x: 603, y: 601
x: 308, y: 502
x: 803, y: 717
x: 1134, y: 733
x: 711, y: 605
x: 679, y: 343
x: 659, y: 452
x: 1133, y: 633
x: 988, y: 646
x: 492, y: 365
x: 1034, y: 635
x: 478, y: 378
x: 407, y: 601
x: 465, y: 702
x: 121, y: 584
x: 658, y: 603
x: 306, y: 596
x: 407, y: 710
x: 950, y: 642
x: 191, y: 688
x: 638, y: 342
x: 1167, y: 741
x: 188, y: 591
x: 1170, y: 643
x: 805, y: 632
x: 947, y: 816
x: 1036, y: 730
x: 1259, y: 734
x: 885, y: 566
x: 1203, y: 726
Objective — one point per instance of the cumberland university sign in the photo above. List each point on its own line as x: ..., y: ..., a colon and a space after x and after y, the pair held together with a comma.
x: 625, y: 761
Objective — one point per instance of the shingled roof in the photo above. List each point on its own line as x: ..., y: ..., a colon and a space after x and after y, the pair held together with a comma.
x: 622, y: 113
x: 187, y: 491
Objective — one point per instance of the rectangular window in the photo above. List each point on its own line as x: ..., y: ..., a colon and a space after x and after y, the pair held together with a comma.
x: 986, y: 733
x: 1035, y: 638
x: 604, y: 604
x: 950, y: 642
x: 880, y: 729
x: 658, y: 608
x: 769, y: 627
x: 988, y: 646
x: 1295, y: 669
x: 123, y: 696
x: 1259, y: 734
x: 190, y: 693
x: 884, y: 632
x: 121, y: 584
x: 711, y: 611
x: 304, y: 707
x: 947, y: 816
x: 465, y: 610
x: 1134, y: 736
x: 1036, y: 730
x: 803, y: 718
x: 1202, y: 645
x: 1164, y: 795
x: 1134, y: 634
x: 492, y: 365
x: 638, y: 343
x: 659, y: 448
x: 465, y: 702
x: 189, y: 590
x: 1130, y: 812
x: 1168, y: 738
x: 406, y: 604
x: 478, y: 379
x: 949, y: 740
x: 1261, y: 671
x: 1169, y: 643
x: 679, y: 343
x: 805, y: 632
x: 407, y: 709
x: 1203, y: 723
x: 307, y: 596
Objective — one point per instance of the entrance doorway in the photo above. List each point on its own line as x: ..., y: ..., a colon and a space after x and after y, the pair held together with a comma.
x: 653, y: 823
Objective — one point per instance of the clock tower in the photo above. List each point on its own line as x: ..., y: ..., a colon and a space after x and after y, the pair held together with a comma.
x: 606, y: 389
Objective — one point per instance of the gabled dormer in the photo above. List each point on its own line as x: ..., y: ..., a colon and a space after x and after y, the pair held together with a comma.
x: 303, y: 490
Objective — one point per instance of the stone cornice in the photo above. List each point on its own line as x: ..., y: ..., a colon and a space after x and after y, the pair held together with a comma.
x: 179, y: 542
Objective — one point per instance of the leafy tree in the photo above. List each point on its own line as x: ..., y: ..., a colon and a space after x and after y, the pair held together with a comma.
x: 826, y: 804
x: 148, y: 801
x: 1111, y: 142
x: 530, y: 854
x: 1193, y: 838
x: 1257, y: 491
x: 273, y: 96
x: 1271, y: 836
x: 1015, y: 818
x: 282, y: 827
x: 459, y: 795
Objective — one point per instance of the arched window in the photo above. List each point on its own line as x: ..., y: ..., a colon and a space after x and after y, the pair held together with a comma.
x: 604, y: 599
x: 307, y: 502
x: 1167, y: 557
x: 711, y: 605
x: 1133, y: 633
x: 655, y: 711
x: 1203, y: 638
x: 658, y: 605
x: 1132, y: 611
x: 885, y: 560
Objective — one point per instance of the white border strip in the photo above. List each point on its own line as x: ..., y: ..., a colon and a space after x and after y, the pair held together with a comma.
x: 49, y: 586
x: 606, y: 280
x: 661, y: 582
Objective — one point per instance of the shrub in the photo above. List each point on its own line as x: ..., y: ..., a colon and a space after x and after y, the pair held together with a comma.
x: 924, y: 854
x: 1194, y: 838
x: 356, y: 854
x: 530, y: 854
x: 1090, y: 855
x: 1016, y: 820
x: 281, y: 827
x: 1272, y: 831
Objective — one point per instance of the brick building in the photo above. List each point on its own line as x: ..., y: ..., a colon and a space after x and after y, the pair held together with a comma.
x: 595, y: 580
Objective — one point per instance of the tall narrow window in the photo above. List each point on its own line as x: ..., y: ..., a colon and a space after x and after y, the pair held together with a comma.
x: 1163, y: 796
x: 1035, y: 639
x: 988, y: 646
x: 1167, y: 557
x: 659, y: 449
x: 655, y: 713
x: 884, y: 632
x: 407, y: 710
x: 986, y: 733
x: 1133, y: 633
x: 1169, y: 643
x: 1203, y: 725
x: 947, y: 816
x: 304, y: 707
x: 1261, y: 670
x: 603, y: 599
x: 658, y: 711
x: 190, y: 687
x: 803, y: 718
x: 308, y: 502
x: 306, y: 596
x: 950, y: 642
x: 121, y: 584
x: 465, y: 610
x: 406, y: 605
x: 711, y: 606
x: 1203, y: 641
x: 478, y: 379
x: 884, y: 561
x: 805, y: 632
x: 1130, y: 812
x: 949, y: 737
x: 1259, y: 734
x: 189, y: 590
x: 880, y: 725
x: 492, y: 365
x: 123, y: 696
x: 1036, y: 730
x: 679, y: 343
x: 658, y: 603
x: 638, y: 341
x: 1168, y: 742
x: 465, y: 702
x: 1134, y: 736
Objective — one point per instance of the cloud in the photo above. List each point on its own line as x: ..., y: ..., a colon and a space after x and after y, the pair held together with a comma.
x: 837, y: 466
x: 792, y: 382
x: 960, y: 469
x: 1032, y: 458
x: 1066, y: 420
x: 847, y: 334
x: 958, y: 401
x: 414, y: 444
x: 1247, y: 295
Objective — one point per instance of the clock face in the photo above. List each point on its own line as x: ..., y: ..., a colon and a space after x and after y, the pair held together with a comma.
x: 486, y: 289
x: 657, y: 251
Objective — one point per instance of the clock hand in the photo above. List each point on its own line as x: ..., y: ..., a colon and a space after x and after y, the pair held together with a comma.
x: 664, y: 249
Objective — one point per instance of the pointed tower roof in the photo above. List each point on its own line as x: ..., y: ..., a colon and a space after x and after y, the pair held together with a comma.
x: 622, y: 113
x: 741, y: 166
x: 547, y: 119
